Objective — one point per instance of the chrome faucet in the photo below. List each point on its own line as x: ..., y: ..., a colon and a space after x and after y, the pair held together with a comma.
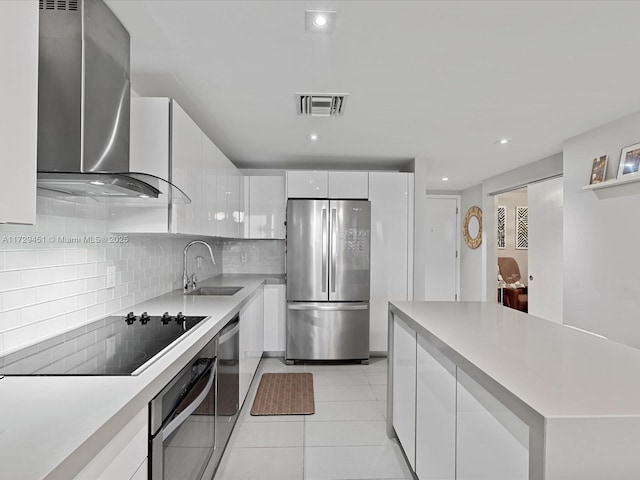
x: 190, y: 281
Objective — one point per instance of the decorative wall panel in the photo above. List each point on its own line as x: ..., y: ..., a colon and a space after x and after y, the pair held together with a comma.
x: 522, y: 228
x: 502, y: 228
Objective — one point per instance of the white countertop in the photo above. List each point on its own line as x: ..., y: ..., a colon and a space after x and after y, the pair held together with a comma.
x: 558, y: 371
x: 50, y: 427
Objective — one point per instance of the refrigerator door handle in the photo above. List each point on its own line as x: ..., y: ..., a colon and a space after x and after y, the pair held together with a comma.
x: 328, y: 307
x: 334, y: 247
x: 325, y: 248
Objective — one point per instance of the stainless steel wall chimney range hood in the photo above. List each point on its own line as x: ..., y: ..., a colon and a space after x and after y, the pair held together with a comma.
x: 84, y: 92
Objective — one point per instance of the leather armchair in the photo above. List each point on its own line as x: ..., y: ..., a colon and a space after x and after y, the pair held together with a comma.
x: 514, y: 294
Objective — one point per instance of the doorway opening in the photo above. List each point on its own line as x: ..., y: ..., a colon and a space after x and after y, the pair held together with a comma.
x: 528, y: 248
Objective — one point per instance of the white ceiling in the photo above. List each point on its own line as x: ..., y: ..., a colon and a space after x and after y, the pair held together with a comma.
x: 433, y: 80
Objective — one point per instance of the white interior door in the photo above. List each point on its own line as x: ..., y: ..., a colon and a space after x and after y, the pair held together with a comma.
x: 545, y: 249
x: 441, y: 246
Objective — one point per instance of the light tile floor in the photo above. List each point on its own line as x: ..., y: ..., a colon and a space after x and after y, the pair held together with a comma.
x: 344, y: 440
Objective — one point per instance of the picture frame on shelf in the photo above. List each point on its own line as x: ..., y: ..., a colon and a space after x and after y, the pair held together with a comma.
x: 629, y: 161
x: 599, y: 169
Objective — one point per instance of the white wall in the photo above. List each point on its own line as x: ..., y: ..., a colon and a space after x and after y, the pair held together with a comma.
x: 471, y: 273
x: 601, y: 238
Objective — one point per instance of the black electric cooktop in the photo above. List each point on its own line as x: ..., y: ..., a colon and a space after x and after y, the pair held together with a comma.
x: 115, y: 345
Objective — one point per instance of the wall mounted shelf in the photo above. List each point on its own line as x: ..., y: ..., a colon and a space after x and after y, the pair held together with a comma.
x: 619, y: 187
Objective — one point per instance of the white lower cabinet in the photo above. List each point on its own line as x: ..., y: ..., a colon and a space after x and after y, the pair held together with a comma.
x: 435, y: 414
x: 404, y: 388
x: 449, y: 426
x: 251, y: 341
x: 275, y: 315
x: 492, y: 442
x: 125, y: 456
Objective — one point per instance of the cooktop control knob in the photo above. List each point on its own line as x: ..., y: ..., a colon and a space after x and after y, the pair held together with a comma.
x: 180, y: 317
x: 144, y: 318
x: 166, y: 318
x: 130, y: 319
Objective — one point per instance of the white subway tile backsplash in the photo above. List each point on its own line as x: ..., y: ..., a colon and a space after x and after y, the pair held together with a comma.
x: 47, y: 293
x: 38, y: 276
x: 120, y: 291
x: 10, y: 280
x: 50, y: 326
x: 58, y: 284
x: 113, y: 305
x: 75, y: 287
x: 18, y: 298
x: 86, y: 299
x: 63, y: 305
x: 86, y: 270
x: 96, y: 283
x: 104, y: 295
x: 127, y: 301
x: 67, y: 272
x: 36, y: 312
x: 96, y: 312
x: 20, y: 336
x: 96, y: 254
x: 76, y: 318
x: 72, y: 256
x: 10, y: 320
x: 50, y: 257
x: 15, y: 260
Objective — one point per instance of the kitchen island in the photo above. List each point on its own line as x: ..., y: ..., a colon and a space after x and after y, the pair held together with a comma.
x: 477, y: 390
x: 59, y: 427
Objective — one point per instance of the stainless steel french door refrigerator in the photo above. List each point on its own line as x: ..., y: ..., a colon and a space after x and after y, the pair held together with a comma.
x: 328, y: 245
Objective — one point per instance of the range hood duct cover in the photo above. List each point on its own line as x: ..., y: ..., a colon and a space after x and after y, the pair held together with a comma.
x: 84, y: 93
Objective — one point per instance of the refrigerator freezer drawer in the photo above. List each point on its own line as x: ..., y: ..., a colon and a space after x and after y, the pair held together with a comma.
x: 327, y: 331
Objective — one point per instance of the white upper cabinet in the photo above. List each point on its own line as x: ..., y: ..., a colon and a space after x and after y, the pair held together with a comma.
x: 209, y: 186
x: 186, y: 165
x: 19, y: 120
x: 167, y: 143
x: 349, y: 185
x: 149, y: 153
x: 323, y: 184
x: 234, y: 202
x: 266, y: 207
x: 307, y: 184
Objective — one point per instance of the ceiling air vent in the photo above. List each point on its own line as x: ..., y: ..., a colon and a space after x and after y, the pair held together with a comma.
x: 321, y: 104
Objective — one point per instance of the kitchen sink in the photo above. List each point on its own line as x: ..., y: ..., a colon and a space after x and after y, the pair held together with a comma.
x: 228, y: 291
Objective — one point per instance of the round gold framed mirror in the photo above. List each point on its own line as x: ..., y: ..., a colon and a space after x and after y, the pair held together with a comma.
x: 472, y: 228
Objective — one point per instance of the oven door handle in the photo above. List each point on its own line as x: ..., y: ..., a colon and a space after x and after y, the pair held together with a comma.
x: 170, y: 427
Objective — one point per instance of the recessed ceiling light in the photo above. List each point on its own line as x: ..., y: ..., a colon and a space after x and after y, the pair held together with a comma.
x: 320, y: 21
x: 444, y: 179
x: 503, y: 141
x: 313, y: 137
